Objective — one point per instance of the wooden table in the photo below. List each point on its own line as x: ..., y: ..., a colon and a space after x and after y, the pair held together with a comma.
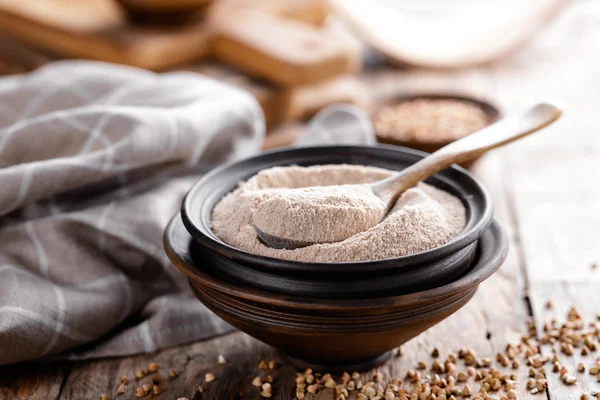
x: 547, y: 194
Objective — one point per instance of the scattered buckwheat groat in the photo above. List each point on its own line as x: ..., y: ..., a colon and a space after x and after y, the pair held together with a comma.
x: 465, y: 375
x: 429, y: 120
x: 461, y: 374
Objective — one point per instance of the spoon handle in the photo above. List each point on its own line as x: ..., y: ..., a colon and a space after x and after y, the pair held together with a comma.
x: 500, y: 133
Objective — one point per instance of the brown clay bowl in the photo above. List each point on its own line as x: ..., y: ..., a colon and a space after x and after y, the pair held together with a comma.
x: 492, y: 112
x: 197, y: 209
x: 163, y: 11
x: 333, y: 334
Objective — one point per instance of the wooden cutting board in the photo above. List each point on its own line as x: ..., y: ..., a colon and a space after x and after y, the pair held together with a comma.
x: 285, y: 52
x: 100, y: 29
x: 285, y: 105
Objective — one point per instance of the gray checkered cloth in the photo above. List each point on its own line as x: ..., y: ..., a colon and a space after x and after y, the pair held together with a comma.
x: 94, y: 161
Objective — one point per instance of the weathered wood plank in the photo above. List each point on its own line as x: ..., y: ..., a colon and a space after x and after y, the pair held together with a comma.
x: 191, y: 362
x: 560, y: 243
x: 503, y: 295
x: 553, y: 181
x: 564, y: 295
x: 34, y: 381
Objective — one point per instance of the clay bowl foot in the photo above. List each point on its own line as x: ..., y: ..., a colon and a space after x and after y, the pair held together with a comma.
x: 336, y: 368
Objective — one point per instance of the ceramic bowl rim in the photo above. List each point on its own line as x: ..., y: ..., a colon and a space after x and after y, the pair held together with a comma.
x: 458, y: 242
x: 472, y: 278
x: 409, y: 280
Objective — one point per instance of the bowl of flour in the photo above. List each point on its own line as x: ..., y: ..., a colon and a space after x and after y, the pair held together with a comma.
x: 331, y: 334
x: 439, y: 238
x: 423, y: 218
x: 429, y: 222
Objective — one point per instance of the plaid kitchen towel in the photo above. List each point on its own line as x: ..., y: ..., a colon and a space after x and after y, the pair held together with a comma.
x: 94, y: 160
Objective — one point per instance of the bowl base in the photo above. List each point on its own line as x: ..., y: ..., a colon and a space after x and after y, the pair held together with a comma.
x: 364, y: 365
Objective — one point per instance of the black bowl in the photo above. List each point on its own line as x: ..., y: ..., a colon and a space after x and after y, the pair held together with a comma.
x: 202, y: 197
x: 409, y: 279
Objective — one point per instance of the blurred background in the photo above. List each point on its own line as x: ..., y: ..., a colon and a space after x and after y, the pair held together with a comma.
x: 418, y: 68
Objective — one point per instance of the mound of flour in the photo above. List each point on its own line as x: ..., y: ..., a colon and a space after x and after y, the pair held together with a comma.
x: 424, y: 217
x: 320, y: 214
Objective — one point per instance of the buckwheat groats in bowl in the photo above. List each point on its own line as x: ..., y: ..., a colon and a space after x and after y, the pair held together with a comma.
x: 429, y: 122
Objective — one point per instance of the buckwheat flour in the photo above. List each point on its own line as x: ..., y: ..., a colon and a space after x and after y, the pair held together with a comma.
x: 320, y: 214
x: 424, y: 217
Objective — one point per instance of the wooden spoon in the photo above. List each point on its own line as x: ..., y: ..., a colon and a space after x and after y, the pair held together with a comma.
x: 281, y: 211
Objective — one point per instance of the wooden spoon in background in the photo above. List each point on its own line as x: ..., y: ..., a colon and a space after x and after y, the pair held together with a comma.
x: 446, y: 34
x: 359, y: 207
